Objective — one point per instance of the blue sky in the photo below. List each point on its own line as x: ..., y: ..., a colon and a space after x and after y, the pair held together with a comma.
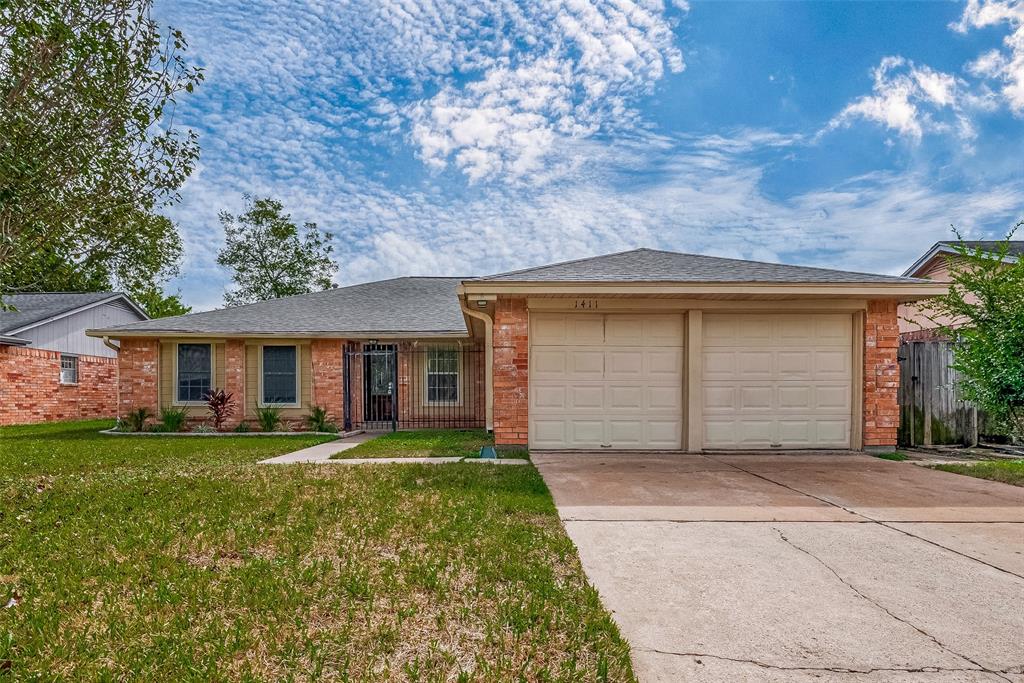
x: 463, y: 138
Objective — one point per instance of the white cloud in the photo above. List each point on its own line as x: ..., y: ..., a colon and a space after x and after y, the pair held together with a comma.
x: 1006, y: 67
x: 909, y: 99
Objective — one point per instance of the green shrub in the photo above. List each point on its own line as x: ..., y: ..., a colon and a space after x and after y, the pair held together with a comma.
x: 319, y: 421
x: 242, y: 428
x: 136, y: 420
x: 269, y: 418
x: 203, y: 429
x: 173, y: 419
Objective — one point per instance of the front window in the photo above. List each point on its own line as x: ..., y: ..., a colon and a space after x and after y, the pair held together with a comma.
x: 280, y: 377
x: 195, y: 372
x: 68, y: 369
x: 442, y: 375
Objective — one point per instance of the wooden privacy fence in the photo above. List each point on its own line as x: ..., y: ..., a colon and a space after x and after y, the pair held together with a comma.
x: 931, y: 410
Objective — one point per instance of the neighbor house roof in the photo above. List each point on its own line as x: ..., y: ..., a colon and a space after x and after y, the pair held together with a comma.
x: 33, y: 310
x: 651, y: 265
x: 1015, y: 251
x: 411, y: 306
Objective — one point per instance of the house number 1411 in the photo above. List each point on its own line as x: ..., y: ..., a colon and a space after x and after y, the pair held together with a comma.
x: 587, y: 304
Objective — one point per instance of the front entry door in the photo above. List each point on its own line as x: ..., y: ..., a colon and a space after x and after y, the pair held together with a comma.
x: 379, y: 383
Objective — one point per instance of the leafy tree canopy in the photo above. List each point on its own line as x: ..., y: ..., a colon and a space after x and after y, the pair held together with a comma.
x: 88, y: 147
x: 269, y: 255
x: 983, y: 314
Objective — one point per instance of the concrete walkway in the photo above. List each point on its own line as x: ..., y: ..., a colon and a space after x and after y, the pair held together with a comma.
x: 811, y: 567
x: 321, y: 454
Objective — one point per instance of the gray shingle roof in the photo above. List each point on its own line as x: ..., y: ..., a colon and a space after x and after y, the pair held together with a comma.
x: 34, y: 308
x: 650, y: 265
x: 1016, y: 246
x: 405, y: 305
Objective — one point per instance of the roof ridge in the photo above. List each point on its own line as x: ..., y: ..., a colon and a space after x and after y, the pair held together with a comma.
x: 560, y: 263
x: 682, y: 253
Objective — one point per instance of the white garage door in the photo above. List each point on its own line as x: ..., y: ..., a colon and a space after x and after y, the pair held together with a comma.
x: 606, y: 380
x: 777, y: 381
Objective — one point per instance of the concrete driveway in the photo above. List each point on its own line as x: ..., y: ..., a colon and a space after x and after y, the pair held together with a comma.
x: 802, y: 567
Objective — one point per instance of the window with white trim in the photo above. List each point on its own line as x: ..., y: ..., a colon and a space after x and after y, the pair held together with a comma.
x: 195, y: 372
x: 442, y: 374
x: 68, y: 369
x: 280, y: 375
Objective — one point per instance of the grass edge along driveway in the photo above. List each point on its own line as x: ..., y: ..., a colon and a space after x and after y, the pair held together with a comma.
x: 1006, y: 471
x: 181, y: 559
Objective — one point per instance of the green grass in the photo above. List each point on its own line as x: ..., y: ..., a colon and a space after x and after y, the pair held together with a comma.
x: 181, y: 559
x: 1006, y: 471
x: 422, y: 443
x: 897, y: 456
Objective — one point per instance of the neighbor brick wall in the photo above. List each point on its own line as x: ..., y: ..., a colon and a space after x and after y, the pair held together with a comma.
x: 138, y: 369
x: 328, y: 377
x: 881, y: 374
x: 511, y: 371
x: 30, y: 388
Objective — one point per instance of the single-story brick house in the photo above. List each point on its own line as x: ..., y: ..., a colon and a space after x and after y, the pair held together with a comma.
x: 642, y: 349
x: 49, y: 369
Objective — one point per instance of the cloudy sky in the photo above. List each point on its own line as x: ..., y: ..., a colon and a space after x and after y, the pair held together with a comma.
x: 461, y: 138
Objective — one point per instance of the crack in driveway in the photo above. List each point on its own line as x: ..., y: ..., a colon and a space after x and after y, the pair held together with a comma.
x: 866, y: 517
x: 867, y: 598
x: 830, y: 669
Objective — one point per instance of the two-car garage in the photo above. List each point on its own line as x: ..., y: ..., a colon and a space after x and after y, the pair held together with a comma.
x: 624, y: 380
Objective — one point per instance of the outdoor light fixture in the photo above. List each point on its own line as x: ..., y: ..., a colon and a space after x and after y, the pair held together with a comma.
x: 481, y: 303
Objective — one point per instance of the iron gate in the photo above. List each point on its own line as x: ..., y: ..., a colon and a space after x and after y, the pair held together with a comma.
x: 408, y: 385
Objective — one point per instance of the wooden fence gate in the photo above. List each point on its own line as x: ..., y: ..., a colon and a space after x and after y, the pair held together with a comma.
x: 931, y: 410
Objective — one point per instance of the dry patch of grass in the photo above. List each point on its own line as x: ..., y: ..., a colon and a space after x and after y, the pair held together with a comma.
x: 138, y: 558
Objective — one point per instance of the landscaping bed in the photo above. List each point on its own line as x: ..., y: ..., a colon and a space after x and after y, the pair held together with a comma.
x: 181, y: 559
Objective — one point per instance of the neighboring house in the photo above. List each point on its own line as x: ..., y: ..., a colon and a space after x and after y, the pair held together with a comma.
x: 916, y: 323
x: 49, y: 368
x: 638, y: 350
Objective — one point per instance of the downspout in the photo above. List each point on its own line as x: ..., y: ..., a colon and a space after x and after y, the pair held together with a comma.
x: 111, y: 345
x: 488, y: 360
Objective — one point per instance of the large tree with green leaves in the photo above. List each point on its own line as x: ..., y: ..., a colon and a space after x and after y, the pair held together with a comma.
x: 89, y: 149
x: 983, y: 314
x: 269, y: 255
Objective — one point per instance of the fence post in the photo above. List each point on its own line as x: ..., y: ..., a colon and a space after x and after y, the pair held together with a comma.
x: 394, y: 388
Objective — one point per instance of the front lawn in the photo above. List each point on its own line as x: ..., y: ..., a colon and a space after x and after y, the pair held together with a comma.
x: 422, y: 443
x: 181, y: 559
x: 1006, y: 471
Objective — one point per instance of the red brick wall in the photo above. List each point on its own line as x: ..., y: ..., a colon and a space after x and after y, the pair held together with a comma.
x: 881, y: 375
x: 30, y: 388
x: 139, y: 367
x: 511, y: 371
x: 234, y: 379
x: 328, y: 377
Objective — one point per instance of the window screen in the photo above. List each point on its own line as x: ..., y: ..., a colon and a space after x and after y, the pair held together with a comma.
x: 195, y: 371
x: 442, y: 375
x: 68, y: 369
x: 279, y: 385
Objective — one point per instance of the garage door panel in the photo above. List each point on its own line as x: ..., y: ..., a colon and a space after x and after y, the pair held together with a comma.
x: 777, y: 381
x: 621, y: 388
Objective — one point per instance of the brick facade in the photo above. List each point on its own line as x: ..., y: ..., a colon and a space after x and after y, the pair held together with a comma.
x: 881, y: 375
x: 328, y: 376
x: 511, y: 372
x: 138, y: 368
x: 31, y: 392
x: 234, y: 379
